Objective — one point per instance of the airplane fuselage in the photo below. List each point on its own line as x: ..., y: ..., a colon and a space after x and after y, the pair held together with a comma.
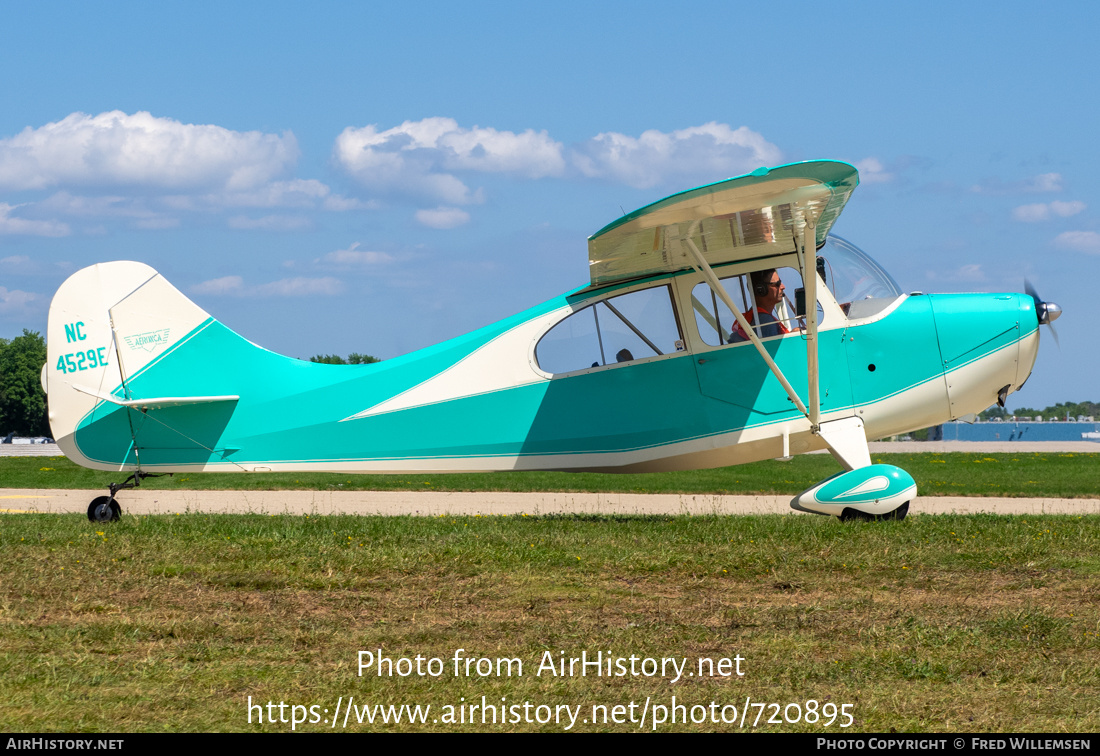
x: 485, y: 401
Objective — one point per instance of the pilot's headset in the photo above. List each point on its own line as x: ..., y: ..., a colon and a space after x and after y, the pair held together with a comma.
x: 759, y: 279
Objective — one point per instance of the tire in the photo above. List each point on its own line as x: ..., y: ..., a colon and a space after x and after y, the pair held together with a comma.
x: 854, y: 515
x: 104, y: 509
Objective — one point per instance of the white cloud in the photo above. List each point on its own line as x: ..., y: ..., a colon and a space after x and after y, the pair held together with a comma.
x: 149, y: 171
x: 117, y: 149
x: 217, y: 286
x: 140, y: 211
x: 293, y: 193
x: 1043, y: 182
x: 157, y: 224
x: 64, y: 203
x: 971, y: 273
x: 421, y: 157
x: 1066, y: 209
x: 872, y: 171
x: 158, y: 212
x: 443, y: 217
x: 270, y: 223
x: 353, y: 257
x: 1082, y: 241
x: 302, y: 193
x: 10, y: 225
x: 1042, y: 211
x: 286, y: 287
x: 19, y: 303
x: 338, y: 204
x: 1032, y: 213
x: 709, y: 152
x: 300, y: 287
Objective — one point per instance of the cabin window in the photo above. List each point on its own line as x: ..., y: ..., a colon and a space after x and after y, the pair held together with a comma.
x: 625, y: 328
x: 718, y: 326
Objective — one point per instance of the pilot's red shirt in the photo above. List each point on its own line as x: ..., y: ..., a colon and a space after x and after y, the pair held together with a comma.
x: 769, y: 326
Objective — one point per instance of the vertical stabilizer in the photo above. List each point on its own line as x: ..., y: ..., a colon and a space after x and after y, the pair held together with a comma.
x: 107, y: 323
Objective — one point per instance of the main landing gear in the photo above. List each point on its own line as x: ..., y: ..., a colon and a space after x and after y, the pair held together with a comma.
x: 106, y: 508
x: 850, y: 514
x: 871, y: 494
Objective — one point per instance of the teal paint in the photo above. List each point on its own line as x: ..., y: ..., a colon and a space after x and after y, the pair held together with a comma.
x: 971, y: 326
x: 865, y: 485
x: 893, y: 354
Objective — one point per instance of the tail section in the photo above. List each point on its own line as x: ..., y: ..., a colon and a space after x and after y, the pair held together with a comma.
x: 108, y: 324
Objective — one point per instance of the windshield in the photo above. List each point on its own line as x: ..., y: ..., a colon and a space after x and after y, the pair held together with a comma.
x: 853, y: 277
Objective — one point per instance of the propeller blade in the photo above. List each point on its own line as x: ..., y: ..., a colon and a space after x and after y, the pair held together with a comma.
x: 1031, y: 291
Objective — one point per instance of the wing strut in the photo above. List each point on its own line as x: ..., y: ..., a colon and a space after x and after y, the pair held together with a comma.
x: 701, y: 264
x: 846, y: 437
x: 807, y: 261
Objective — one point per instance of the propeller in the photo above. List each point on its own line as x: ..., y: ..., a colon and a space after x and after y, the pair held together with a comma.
x: 1046, y: 312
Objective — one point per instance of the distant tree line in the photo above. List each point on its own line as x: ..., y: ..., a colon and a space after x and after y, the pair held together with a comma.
x: 353, y: 359
x: 22, y: 400
x: 1060, y: 410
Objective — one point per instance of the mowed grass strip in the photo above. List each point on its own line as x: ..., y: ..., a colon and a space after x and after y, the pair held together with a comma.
x: 938, y: 624
x: 1061, y: 475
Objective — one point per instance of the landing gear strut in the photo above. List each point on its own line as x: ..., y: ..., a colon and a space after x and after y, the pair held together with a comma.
x: 106, y: 508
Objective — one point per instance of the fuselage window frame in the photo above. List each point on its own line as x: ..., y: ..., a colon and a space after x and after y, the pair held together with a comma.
x: 677, y: 348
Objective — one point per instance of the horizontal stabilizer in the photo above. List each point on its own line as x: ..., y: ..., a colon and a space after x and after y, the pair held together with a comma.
x: 155, y: 402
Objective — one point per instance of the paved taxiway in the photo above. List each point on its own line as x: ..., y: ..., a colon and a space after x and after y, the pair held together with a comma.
x: 432, y: 503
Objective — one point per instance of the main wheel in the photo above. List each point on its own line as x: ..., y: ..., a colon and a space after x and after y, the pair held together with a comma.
x: 849, y: 514
x: 104, y: 509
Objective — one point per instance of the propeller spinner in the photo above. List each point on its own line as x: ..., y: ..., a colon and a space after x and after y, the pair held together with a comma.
x: 1046, y: 312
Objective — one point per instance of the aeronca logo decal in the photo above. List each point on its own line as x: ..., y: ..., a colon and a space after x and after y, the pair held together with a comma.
x: 150, y: 341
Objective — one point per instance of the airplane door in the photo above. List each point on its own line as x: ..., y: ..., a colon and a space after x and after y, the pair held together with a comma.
x: 737, y: 375
x: 731, y: 370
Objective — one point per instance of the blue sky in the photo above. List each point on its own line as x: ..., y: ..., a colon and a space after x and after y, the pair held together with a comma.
x: 340, y: 177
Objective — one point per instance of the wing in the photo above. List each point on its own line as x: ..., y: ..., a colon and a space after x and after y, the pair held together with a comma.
x: 742, y: 218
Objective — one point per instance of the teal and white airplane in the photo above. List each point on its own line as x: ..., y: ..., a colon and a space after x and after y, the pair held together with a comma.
x: 654, y: 365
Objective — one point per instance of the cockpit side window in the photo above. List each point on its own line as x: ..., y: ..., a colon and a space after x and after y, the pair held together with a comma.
x: 625, y: 328
x: 751, y: 294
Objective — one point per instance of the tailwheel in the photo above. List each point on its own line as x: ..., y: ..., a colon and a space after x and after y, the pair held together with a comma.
x: 104, y: 509
x: 854, y: 515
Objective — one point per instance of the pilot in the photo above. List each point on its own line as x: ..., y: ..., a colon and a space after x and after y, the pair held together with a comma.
x: 768, y: 288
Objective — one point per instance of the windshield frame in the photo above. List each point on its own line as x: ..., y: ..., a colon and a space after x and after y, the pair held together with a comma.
x: 858, y: 283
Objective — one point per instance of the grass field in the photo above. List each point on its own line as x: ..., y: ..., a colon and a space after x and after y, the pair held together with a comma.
x: 938, y: 624
x: 950, y: 623
x: 1063, y: 475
